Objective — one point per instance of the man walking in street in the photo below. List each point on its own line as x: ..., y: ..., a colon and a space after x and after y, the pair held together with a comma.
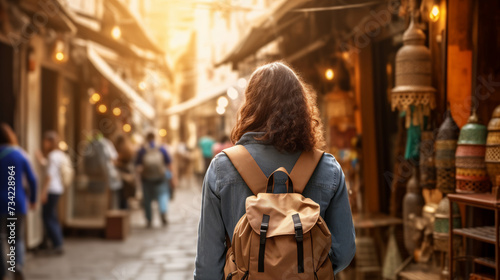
x: 153, y: 162
x: 52, y: 189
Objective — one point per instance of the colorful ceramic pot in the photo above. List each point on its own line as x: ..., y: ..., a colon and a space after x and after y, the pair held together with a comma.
x: 471, y: 175
x: 492, y: 157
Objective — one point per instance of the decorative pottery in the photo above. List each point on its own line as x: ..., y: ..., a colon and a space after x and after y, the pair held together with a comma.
x: 413, y: 202
x: 471, y: 175
x: 413, y: 80
x: 442, y: 226
x: 446, y: 145
x: 427, y: 164
x: 492, y: 157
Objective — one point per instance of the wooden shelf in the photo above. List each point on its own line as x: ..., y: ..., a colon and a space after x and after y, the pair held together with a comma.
x: 489, y: 262
x: 484, y: 234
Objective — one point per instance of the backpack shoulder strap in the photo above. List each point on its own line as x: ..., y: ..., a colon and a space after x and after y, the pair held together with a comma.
x: 249, y: 170
x: 304, y: 168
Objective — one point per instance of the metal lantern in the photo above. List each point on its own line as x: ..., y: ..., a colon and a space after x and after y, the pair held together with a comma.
x: 413, y: 202
x: 427, y: 165
x: 442, y: 226
x: 446, y: 145
x: 492, y: 157
x: 471, y: 173
x: 413, y: 77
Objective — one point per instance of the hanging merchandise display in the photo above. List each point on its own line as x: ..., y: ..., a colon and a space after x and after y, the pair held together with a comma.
x: 471, y: 175
x: 427, y: 165
x: 446, y: 145
x: 413, y: 202
x: 442, y: 225
x: 413, y: 92
x: 492, y: 157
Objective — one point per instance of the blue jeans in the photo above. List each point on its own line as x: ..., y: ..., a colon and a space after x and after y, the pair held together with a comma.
x: 50, y: 221
x: 155, y: 190
x: 19, y: 252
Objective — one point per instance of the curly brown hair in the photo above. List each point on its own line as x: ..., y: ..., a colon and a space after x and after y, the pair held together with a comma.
x: 280, y: 104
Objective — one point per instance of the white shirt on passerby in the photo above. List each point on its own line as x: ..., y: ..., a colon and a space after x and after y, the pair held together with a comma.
x: 54, y: 161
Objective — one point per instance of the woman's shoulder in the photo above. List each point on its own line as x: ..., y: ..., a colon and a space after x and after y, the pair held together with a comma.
x: 328, y: 171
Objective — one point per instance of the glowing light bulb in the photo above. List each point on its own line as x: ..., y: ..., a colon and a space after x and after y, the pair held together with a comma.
x: 434, y: 14
x: 102, y: 108
x: 329, y: 74
x: 95, y: 97
x: 59, y: 56
x: 127, y: 127
x: 162, y: 132
x: 116, y: 32
x: 117, y: 111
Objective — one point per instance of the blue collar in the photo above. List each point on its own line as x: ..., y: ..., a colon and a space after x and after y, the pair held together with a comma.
x: 249, y: 138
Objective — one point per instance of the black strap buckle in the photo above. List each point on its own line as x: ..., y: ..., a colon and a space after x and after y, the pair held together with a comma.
x: 263, y: 232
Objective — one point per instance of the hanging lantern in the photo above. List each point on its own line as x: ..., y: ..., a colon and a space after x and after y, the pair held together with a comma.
x: 427, y: 165
x: 413, y: 77
x: 492, y: 157
x: 442, y: 226
x: 471, y: 169
x: 446, y: 145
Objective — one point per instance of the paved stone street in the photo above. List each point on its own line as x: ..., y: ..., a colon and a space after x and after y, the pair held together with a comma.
x: 152, y: 254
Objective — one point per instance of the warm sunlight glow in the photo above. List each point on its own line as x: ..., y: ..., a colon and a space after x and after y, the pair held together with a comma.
x: 126, y: 127
x: 117, y: 111
x: 143, y: 85
x: 434, y: 14
x: 222, y: 102
x: 102, y: 108
x: 329, y: 74
x: 116, y: 32
x: 162, y: 132
x: 242, y: 82
x: 220, y: 110
x: 232, y: 93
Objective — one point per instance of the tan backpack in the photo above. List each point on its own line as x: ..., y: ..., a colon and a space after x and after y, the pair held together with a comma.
x: 281, y: 236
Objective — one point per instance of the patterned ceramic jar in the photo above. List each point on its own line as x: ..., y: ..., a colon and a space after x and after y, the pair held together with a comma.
x: 446, y: 145
x: 492, y: 157
x: 471, y: 175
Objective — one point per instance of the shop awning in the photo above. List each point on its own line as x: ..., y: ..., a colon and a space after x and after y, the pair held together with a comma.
x: 266, y: 28
x: 136, y: 101
x: 135, y: 29
x: 51, y: 11
x: 198, y: 100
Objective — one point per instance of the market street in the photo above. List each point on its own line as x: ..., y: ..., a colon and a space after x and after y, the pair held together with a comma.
x: 155, y: 254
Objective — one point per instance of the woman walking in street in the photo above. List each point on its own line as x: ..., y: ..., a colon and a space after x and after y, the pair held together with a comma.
x: 14, y: 166
x: 277, y: 126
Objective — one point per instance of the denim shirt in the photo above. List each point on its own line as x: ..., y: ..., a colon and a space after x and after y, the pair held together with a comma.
x: 225, y: 192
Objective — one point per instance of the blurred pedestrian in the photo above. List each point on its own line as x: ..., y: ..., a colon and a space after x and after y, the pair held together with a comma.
x: 223, y: 144
x: 52, y: 189
x: 124, y: 164
x: 206, y: 144
x: 14, y: 166
x: 277, y: 123
x: 154, y: 165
